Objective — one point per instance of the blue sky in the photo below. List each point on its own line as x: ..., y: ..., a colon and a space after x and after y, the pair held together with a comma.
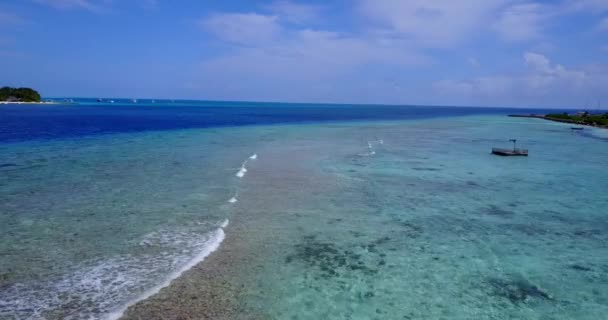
x: 444, y: 52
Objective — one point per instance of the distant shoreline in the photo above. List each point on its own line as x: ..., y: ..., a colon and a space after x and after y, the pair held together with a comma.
x: 22, y: 102
x: 544, y: 117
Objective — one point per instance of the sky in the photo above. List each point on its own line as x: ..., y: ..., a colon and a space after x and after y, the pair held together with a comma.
x: 510, y: 53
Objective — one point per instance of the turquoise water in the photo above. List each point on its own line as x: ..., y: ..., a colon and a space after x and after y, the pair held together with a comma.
x: 369, y: 220
x: 89, y: 224
x: 434, y: 227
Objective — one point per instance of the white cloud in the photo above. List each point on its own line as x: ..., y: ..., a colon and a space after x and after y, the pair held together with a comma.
x: 285, y: 63
x: 312, y: 54
x: 543, y: 83
x: 544, y: 75
x: 445, y: 23
x: 523, y: 22
x: 274, y: 53
x: 537, y: 62
x: 243, y: 28
x: 295, y: 12
x: 435, y: 23
x: 278, y: 56
x: 593, y: 6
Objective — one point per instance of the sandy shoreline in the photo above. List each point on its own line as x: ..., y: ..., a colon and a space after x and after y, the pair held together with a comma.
x: 216, y: 288
x: 213, y: 288
x: 226, y: 285
x: 209, y: 290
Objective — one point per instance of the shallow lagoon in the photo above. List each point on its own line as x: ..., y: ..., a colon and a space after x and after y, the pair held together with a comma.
x: 424, y: 224
x: 431, y: 226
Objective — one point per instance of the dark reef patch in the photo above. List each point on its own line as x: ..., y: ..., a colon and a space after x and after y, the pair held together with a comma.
x: 426, y: 169
x: 579, y: 267
x: 411, y: 230
x: 334, y: 221
x: 497, y: 211
x: 588, y: 233
x: 472, y: 184
x: 517, y: 290
x: 331, y: 260
x: 7, y: 165
x: 527, y: 229
x: 4, y: 279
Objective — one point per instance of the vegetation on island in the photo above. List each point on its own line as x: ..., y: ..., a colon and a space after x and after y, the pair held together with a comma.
x: 581, y: 118
x: 19, y: 94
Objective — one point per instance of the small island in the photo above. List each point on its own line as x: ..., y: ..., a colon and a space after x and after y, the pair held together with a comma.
x: 581, y: 118
x: 19, y: 95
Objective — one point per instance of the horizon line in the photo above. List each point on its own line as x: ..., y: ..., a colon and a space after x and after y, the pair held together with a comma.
x: 325, y: 103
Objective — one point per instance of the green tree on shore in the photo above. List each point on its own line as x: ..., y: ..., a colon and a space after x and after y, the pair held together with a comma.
x: 585, y: 118
x: 19, y: 94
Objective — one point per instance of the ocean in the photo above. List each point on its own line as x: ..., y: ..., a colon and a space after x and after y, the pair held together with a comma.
x: 239, y: 210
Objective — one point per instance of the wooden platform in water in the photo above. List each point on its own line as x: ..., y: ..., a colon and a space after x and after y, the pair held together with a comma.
x: 510, y: 152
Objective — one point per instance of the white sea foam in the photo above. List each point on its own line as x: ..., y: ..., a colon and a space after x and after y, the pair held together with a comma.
x: 371, y: 143
x: 224, y: 224
x: 241, y: 172
x: 94, y: 289
x: 367, y: 154
x: 370, y: 148
x: 211, y: 245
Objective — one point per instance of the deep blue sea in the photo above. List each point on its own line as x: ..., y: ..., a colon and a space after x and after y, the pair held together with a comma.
x: 87, y: 117
x: 244, y: 210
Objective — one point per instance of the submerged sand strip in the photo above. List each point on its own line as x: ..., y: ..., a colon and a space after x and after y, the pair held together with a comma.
x: 206, y: 291
x: 221, y: 286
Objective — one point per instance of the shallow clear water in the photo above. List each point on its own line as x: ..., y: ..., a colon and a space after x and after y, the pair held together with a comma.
x: 431, y: 226
x: 388, y: 220
x: 89, y: 224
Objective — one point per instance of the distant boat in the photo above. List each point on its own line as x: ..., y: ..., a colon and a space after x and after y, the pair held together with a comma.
x: 134, y: 100
x: 111, y: 101
x: 510, y: 152
x: 99, y: 100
